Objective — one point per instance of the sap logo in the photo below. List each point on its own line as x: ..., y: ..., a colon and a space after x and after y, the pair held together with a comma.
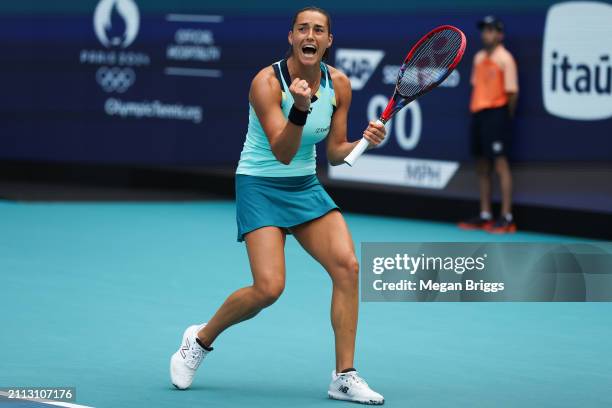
x: 576, y: 61
x: 358, y: 65
x: 116, y: 22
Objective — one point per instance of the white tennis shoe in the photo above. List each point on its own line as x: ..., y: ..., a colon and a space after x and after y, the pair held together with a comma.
x: 351, y: 387
x: 187, y: 359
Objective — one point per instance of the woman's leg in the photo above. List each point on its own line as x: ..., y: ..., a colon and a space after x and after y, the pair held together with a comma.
x: 265, y: 247
x: 329, y: 241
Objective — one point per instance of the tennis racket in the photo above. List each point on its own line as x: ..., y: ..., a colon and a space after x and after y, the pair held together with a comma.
x: 426, y: 66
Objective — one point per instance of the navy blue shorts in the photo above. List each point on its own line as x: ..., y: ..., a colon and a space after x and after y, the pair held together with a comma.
x: 282, y: 202
x: 491, y: 130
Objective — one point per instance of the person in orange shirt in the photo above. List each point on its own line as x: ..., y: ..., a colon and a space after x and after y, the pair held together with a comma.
x: 493, y: 102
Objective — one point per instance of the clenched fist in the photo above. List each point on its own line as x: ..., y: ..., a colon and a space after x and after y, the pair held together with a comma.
x: 301, y: 92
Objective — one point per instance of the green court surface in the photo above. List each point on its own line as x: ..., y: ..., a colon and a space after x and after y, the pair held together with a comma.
x: 97, y: 296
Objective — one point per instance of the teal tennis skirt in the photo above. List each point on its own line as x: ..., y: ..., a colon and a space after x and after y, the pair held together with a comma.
x: 282, y: 202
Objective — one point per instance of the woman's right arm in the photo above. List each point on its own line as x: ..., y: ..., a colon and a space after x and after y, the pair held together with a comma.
x: 265, y: 97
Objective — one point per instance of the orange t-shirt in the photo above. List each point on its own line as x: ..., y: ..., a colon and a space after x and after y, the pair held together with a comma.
x: 493, y: 77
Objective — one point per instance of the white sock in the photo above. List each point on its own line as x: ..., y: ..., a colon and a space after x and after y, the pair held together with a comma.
x: 508, y: 217
x: 485, y: 215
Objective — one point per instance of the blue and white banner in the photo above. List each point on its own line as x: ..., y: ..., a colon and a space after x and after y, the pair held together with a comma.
x: 128, y: 84
x: 121, y: 84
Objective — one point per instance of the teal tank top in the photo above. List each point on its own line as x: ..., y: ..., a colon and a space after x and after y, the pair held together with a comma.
x: 257, y: 158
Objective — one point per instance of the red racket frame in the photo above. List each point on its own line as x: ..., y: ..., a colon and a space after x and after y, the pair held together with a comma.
x: 397, y: 101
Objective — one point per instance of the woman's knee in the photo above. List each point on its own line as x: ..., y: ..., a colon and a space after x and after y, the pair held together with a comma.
x: 346, y: 270
x: 269, y: 291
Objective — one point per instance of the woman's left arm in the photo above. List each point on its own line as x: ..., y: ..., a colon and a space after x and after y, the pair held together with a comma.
x: 338, y: 147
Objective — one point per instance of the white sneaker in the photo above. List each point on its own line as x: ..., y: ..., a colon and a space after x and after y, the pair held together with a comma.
x: 187, y: 359
x: 351, y: 387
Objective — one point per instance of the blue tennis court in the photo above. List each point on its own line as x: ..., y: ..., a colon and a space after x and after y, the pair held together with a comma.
x: 466, y: 142
x: 97, y: 295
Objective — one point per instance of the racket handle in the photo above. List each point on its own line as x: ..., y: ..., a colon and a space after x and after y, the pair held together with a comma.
x: 359, y: 149
x: 356, y: 152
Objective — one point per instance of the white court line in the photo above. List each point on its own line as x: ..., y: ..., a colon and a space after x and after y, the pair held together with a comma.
x: 44, y: 401
x: 194, y: 18
x: 209, y: 73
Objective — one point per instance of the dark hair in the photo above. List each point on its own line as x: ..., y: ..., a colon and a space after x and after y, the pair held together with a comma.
x: 318, y: 10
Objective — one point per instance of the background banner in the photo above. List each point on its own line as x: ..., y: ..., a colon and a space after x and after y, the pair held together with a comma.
x: 165, y: 84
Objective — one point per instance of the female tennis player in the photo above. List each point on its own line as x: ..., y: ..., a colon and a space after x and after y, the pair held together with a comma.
x: 294, y: 104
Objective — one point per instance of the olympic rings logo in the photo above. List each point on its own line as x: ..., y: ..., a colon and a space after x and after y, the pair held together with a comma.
x: 115, y: 79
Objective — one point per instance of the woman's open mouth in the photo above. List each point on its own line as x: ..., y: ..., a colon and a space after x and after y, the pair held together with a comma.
x: 309, y: 50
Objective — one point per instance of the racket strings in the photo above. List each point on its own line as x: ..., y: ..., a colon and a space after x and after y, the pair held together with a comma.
x: 430, y: 63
